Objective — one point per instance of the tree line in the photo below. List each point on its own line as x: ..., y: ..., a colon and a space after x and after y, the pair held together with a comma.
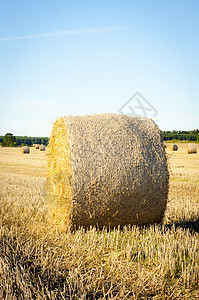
x: 190, y: 135
x: 9, y: 140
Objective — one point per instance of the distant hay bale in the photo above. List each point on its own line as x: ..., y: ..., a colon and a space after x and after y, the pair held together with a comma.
x: 42, y: 148
x: 191, y: 148
x: 106, y: 170
x: 173, y: 147
x: 25, y: 150
x: 33, y: 145
x: 37, y: 146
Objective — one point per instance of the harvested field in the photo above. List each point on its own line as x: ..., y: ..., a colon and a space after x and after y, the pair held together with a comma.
x: 39, y: 262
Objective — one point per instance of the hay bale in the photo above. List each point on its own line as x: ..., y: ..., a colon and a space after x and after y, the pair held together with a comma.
x: 106, y: 170
x: 173, y: 147
x: 33, y: 145
x: 191, y: 148
x: 37, y: 146
x: 42, y: 148
x: 25, y: 150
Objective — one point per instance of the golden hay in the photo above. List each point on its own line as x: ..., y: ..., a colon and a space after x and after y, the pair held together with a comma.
x: 42, y: 148
x: 37, y: 146
x: 25, y: 149
x: 191, y: 148
x: 173, y: 147
x: 106, y: 170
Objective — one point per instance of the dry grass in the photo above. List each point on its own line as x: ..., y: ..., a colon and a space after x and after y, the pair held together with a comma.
x: 37, y: 262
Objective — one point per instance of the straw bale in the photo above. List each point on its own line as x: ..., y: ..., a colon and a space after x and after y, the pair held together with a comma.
x: 37, y: 146
x: 106, y: 170
x: 42, y: 148
x: 173, y: 147
x: 25, y: 149
x: 192, y: 148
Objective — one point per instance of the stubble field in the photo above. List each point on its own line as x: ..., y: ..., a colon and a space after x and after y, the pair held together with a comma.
x: 39, y: 262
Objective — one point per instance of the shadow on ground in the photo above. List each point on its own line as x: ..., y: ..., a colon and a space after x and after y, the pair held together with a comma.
x: 192, y: 225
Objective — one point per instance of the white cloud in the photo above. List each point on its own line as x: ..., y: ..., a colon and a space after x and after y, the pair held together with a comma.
x: 64, y: 33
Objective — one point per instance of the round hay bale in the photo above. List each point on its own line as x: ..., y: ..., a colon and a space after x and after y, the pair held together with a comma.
x: 42, y: 148
x: 173, y: 147
x: 25, y: 150
x: 33, y: 145
x: 37, y: 146
x: 191, y: 148
x: 106, y: 170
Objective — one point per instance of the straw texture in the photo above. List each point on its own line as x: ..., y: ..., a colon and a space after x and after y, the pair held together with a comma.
x: 106, y: 170
x: 25, y: 150
x: 191, y: 148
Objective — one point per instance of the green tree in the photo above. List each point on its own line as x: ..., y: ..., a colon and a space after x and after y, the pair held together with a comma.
x: 9, y: 140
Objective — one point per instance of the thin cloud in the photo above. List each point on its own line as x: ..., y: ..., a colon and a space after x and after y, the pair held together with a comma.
x: 63, y: 33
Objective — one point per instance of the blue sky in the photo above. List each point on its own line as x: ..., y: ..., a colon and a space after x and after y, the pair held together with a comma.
x: 86, y: 57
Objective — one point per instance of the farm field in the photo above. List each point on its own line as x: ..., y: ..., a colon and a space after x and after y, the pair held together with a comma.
x: 39, y: 262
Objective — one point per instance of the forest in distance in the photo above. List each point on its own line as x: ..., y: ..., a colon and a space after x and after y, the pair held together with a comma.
x: 10, y: 140
x: 181, y: 135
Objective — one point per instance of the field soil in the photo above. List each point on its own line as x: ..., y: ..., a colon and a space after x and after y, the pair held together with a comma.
x: 37, y: 261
